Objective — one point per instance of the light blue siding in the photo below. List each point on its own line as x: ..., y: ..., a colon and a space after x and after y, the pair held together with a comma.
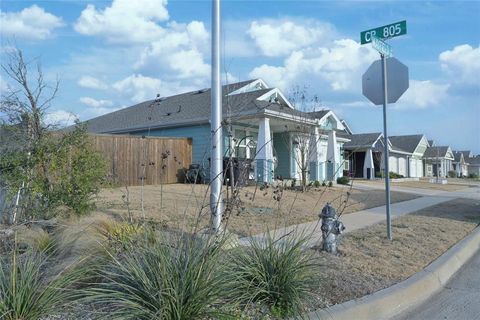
x: 280, y: 141
x: 200, y: 135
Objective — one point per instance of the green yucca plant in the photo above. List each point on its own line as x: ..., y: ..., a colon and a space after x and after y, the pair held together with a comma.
x: 30, y: 289
x: 178, y: 279
x: 278, y: 274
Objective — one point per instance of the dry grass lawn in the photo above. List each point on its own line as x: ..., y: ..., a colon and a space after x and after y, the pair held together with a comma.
x: 368, y: 262
x: 184, y: 206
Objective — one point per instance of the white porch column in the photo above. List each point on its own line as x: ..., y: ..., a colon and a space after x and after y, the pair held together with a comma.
x: 368, y: 164
x: 332, y: 156
x: 315, y: 155
x: 264, y: 157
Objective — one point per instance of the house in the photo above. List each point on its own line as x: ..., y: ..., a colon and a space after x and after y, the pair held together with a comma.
x: 363, y: 154
x: 459, y: 164
x: 261, y: 127
x: 473, y: 169
x: 398, y: 160
x: 440, y: 158
x: 414, y: 146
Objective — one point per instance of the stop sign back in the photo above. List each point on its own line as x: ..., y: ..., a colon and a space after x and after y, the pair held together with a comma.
x: 397, y: 81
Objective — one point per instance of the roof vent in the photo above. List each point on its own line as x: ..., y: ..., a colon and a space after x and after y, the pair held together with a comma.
x: 202, y: 90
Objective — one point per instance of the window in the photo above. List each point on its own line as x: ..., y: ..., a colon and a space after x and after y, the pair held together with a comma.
x: 245, y: 144
x: 346, y: 165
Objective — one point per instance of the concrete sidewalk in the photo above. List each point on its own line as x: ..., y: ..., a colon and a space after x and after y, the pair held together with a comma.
x: 472, y: 192
x: 353, y: 221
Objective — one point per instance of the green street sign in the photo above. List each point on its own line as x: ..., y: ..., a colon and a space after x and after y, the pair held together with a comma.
x: 389, y: 31
x: 382, y: 47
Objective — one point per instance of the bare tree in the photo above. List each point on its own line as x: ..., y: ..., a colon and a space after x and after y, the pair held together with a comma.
x: 29, y: 96
x: 302, y: 132
x: 22, y: 108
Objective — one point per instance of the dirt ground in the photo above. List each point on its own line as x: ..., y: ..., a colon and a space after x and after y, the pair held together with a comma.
x: 368, y: 262
x: 184, y: 206
x: 426, y: 184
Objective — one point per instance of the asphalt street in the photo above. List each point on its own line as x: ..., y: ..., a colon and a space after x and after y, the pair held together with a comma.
x: 458, y: 300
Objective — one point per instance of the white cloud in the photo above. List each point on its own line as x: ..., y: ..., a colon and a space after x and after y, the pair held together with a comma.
x: 423, y: 94
x: 179, y: 55
x: 139, y: 88
x: 95, y: 103
x: 125, y: 20
x: 30, y: 23
x: 280, y: 38
x: 60, y: 118
x: 176, y: 51
x: 92, y: 83
x: 338, y: 66
x: 462, y: 63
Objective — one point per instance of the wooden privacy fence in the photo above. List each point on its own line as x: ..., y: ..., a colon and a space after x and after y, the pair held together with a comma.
x: 133, y: 158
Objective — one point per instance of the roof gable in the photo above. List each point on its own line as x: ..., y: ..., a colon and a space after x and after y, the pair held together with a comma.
x: 409, y: 143
x: 440, y: 152
x: 363, y: 140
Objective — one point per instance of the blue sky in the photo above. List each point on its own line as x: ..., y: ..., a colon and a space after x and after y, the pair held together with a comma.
x: 113, y: 54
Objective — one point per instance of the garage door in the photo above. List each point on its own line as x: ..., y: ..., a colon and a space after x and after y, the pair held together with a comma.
x: 402, y: 166
x: 392, y: 163
x: 419, y: 168
x: 413, y: 168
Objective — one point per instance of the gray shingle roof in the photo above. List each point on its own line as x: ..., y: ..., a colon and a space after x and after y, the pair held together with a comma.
x: 457, y: 156
x: 473, y: 160
x: 362, y: 140
x: 433, y: 152
x: 183, y: 108
x: 408, y: 143
x: 189, y: 108
x: 466, y: 154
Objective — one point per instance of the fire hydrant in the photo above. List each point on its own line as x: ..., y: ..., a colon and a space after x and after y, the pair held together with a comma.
x: 332, y: 227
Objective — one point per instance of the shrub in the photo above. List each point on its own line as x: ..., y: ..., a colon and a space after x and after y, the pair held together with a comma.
x: 330, y: 183
x: 324, y: 184
x: 452, y: 174
x: 30, y: 290
x: 394, y: 175
x: 316, y: 183
x: 179, y: 279
x: 62, y: 170
x: 120, y: 235
x: 278, y: 274
x: 293, y: 183
x: 473, y: 176
x: 39, y: 240
x: 343, y: 180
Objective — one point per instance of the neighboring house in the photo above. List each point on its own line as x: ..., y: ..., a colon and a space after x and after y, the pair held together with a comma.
x: 415, y: 147
x: 473, y: 166
x: 459, y: 164
x: 363, y: 154
x: 260, y: 126
x: 398, y: 160
x: 440, y: 159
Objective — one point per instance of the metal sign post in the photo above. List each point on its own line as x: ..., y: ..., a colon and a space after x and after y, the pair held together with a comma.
x: 393, y: 86
x: 385, y: 135
x: 216, y: 163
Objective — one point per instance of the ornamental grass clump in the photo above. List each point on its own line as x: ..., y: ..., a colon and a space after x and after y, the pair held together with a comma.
x: 179, y: 279
x: 278, y: 274
x: 30, y: 288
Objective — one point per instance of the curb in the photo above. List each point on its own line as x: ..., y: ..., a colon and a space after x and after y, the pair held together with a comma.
x: 409, y: 293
